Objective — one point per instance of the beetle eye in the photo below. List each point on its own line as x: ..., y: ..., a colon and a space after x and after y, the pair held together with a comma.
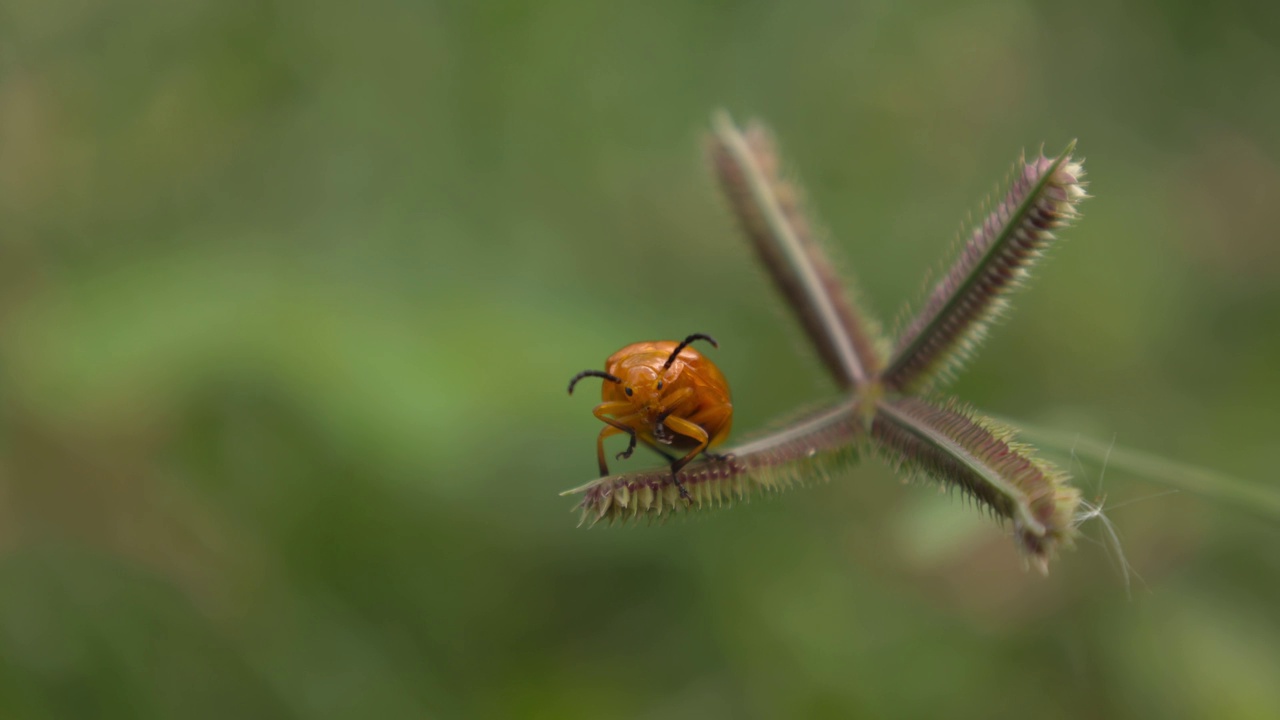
x: 628, y: 392
x: 659, y: 384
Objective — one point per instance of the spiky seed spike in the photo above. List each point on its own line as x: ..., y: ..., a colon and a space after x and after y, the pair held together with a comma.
x: 811, y: 447
x: 956, y: 446
x: 771, y: 212
x: 996, y: 260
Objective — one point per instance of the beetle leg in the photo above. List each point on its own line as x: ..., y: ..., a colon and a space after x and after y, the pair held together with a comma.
x: 675, y: 398
x: 605, y: 432
x: 665, y: 408
x: 616, y: 426
x: 719, y: 417
x: 605, y: 409
x: 631, y: 446
x: 688, y: 429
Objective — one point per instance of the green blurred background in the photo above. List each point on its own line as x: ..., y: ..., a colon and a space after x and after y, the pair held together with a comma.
x: 290, y: 292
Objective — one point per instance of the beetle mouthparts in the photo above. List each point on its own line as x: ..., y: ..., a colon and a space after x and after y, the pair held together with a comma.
x: 661, y: 433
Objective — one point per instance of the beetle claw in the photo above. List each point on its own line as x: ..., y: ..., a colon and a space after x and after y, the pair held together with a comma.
x: 688, y: 499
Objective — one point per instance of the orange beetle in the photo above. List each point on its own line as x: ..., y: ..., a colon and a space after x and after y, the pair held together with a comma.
x: 663, y: 393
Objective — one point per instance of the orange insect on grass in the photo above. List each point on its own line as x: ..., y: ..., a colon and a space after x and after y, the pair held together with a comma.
x: 665, y: 394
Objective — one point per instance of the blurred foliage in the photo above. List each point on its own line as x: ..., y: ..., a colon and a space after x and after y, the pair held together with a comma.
x: 290, y: 291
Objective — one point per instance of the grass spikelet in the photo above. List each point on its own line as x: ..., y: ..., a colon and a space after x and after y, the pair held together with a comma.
x: 996, y: 260
x: 957, y: 447
x: 807, y: 449
x: 771, y: 212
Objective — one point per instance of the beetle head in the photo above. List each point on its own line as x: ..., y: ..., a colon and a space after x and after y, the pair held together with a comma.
x: 644, y: 386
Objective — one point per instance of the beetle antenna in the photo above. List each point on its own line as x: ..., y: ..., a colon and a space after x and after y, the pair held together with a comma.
x: 591, y: 373
x: 683, y: 345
